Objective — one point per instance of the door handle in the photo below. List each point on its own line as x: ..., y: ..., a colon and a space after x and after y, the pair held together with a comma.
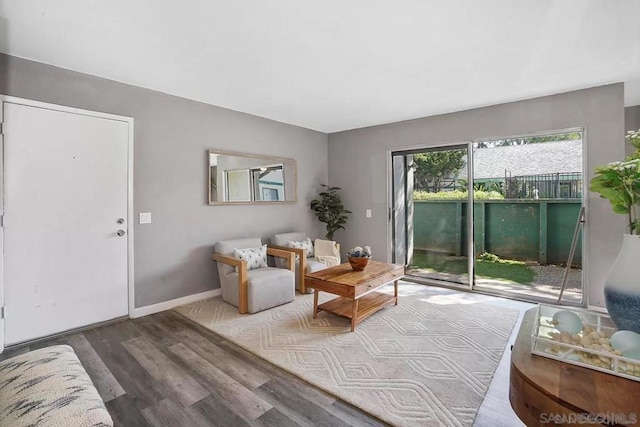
x: 120, y: 233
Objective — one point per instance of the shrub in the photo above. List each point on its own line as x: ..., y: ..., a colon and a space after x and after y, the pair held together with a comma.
x: 456, y: 195
x: 487, y: 256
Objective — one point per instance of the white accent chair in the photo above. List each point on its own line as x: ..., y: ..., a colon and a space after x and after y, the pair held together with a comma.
x: 258, y: 289
x: 303, y: 263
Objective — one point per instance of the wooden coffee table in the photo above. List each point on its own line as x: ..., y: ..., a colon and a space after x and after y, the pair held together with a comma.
x: 358, y: 298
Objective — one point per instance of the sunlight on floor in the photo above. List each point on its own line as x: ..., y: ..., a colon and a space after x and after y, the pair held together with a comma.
x: 452, y: 299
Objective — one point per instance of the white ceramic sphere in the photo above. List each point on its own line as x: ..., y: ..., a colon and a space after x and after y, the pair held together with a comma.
x: 625, y: 341
x: 567, y: 321
x: 632, y: 354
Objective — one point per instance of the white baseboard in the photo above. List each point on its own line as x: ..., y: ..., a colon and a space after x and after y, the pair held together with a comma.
x: 168, y: 305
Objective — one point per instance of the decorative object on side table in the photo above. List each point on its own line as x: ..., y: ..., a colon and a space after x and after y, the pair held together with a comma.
x: 585, y: 338
x: 330, y: 210
x: 359, y: 257
x: 619, y: 182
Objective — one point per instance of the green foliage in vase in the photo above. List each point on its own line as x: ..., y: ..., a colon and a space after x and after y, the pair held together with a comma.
x: 619, y: 182
x: 330, y: 210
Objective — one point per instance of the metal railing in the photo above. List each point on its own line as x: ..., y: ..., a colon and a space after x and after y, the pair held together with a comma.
x: 544, y: 186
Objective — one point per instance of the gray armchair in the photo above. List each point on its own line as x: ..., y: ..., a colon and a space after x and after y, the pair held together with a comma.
x: 303, y: 264
x: 258, y: 289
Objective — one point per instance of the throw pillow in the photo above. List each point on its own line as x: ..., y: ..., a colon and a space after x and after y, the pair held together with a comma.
x: 302, y: 244
x: 255, y: 257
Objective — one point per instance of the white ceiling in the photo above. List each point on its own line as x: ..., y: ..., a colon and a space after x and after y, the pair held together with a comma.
x: 333, y: 65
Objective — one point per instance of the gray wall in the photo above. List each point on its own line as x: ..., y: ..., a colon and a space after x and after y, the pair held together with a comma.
x: 172, y: 136
x: 631, y: 122
x: 358, y: 162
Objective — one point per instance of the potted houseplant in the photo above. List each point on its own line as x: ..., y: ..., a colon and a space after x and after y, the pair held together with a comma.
x: 619, y: 182
x: 330, y: 210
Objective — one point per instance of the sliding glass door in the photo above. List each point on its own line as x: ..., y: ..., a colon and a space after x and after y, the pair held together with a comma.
x: 501, y: 216
x: 528, y: 196
x: 430, y: 215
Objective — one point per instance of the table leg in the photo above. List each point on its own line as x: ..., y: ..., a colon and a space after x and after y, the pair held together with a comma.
x: 354, y: 314
x: 315, y: 303
x: 395, y: 290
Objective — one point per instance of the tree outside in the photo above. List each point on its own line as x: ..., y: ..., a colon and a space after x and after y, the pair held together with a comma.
x: 437, y: 169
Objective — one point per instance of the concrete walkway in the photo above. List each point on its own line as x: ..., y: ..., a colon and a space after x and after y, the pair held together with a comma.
x: 545, y: 288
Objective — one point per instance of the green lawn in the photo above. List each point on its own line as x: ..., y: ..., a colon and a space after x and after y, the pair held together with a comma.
x: 514, y: 271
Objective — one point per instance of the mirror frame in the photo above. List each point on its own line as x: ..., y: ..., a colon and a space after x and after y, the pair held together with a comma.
x: 254, y: 156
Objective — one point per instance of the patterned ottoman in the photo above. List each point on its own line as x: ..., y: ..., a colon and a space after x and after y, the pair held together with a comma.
x: 49, y: 387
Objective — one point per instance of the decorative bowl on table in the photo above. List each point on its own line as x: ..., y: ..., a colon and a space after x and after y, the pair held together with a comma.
x: 359, y: 257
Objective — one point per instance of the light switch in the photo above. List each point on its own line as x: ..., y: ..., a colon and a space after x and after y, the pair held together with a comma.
x: 145, y: 217
x: 368, y: 213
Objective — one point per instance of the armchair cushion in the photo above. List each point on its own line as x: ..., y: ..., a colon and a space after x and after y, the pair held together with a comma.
x: 255, y: 257
x: 266, y: 287
x: 302, y: 244
x: 262, y: 288
x: 313, y: 266
x: 283, y: 238
x: 323, y: 254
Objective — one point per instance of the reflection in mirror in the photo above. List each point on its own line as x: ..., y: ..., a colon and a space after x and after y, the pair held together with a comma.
x: 247, y: 178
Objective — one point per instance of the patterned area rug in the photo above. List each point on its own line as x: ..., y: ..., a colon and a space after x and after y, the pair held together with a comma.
x: 428, y: 361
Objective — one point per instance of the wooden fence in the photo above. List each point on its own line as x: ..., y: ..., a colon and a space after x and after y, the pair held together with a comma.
x: 540, y: 230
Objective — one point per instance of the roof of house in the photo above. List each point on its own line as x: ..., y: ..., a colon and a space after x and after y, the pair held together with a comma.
x: 528, y: 159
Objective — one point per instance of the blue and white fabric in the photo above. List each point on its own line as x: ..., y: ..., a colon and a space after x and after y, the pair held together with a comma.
x: 49, y: 387
x: 255, y: 257
x: 302, y: 244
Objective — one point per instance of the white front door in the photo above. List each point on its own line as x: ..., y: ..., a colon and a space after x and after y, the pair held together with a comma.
x: 65, y: 220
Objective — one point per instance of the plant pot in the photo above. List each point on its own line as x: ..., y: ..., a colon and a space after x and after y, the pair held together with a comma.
x: 358, y: 263
x: 622, y: 286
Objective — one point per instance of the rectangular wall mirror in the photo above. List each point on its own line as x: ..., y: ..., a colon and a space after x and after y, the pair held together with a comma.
x: 239, y: 178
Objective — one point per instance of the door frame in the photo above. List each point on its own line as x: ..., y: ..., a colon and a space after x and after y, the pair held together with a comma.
x: 5, y: 99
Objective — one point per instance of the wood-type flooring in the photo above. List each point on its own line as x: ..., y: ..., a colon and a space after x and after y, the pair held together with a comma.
x: 164, y: 370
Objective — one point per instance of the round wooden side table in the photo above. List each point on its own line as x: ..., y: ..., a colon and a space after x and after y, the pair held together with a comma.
x: 544, y: 391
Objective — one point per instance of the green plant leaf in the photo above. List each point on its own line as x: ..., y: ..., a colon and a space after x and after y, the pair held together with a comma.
x: 620, y: 209
x: 619, y: 182
x: 329, y: 210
